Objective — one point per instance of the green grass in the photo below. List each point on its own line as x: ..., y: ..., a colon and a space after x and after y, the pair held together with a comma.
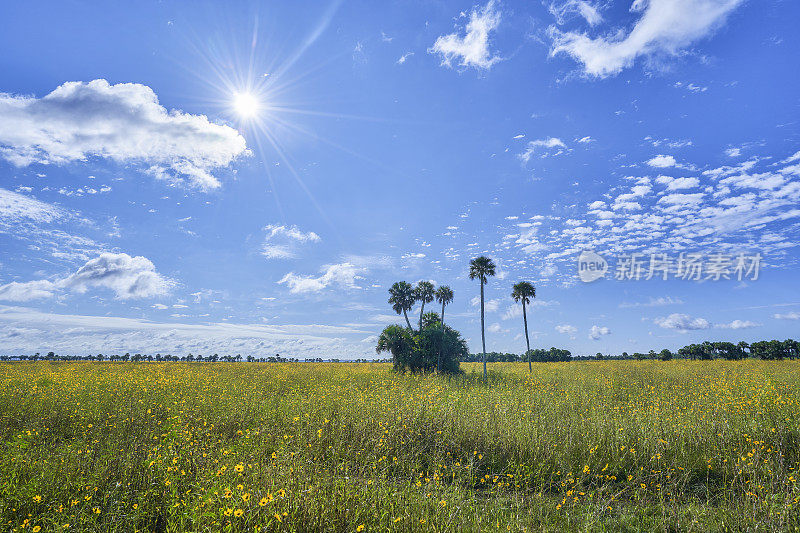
x: 595, y: 446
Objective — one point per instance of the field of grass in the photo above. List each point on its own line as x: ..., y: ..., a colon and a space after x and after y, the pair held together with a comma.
x: 583, y: 446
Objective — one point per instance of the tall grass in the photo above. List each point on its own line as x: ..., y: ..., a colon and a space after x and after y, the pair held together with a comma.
x: 338, y: 447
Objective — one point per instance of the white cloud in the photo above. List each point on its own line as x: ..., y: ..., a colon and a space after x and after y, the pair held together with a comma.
x: 404, y: 57
x: 128, y: 277
x: 496, y: 328
x: 598, y: 331
x: 549, y: 144
x: 471, y: 50
x: 122, y: 122
x: 515, y: 310
x: 15, y: 207
x: 675, y: 184
x: 662, y: 161
x: 343, y: 275
x: 681, y: 322
x: 567, y: 329
x: 664, y: 29
x: 733, y: 152
x: 739, y: 324
x: 281, y: 241
x: 585, y: 9
x: 490, y: 306
x: 654, y: 302
x: 794, y: 315
x: 25, y: 330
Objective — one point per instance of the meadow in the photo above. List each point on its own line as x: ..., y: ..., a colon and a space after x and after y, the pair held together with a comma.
x: 578, y: 446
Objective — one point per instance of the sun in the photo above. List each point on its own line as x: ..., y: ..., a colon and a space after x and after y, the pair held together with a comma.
x: 246, y: 105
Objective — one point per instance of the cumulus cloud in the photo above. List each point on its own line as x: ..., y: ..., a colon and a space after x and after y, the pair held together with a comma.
x: 662, y: 161
x: 128, y: 277
x: 281, y: 242
x: 567, y: 329
x: 664, y: 29
x: 124, y: 123
x: 343, y: 275
x: 682, y: 322
x: 598, y: 331
x: 471, y: 49
x: 676, y: 184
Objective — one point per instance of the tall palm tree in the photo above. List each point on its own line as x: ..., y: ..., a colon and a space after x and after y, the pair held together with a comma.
x: 444, y: 295
x: 482, y: 267
x: 424, y: 293
x: 401, y: 296
x: 523, y: 292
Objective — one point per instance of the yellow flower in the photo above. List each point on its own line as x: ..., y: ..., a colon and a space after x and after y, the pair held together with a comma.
x: 135, y: 505
x: 37, y: 499
x: 360, y: 528
x: 36, y: 529
x: 246, y: 497
x: 228, y: 511
x: 263, y: 502
x: 239, y: 467
x: 278, y: 517
x: 238, y: 513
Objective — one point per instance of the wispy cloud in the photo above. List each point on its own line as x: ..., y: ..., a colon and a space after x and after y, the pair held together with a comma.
x: 664, y: 29
x: 281, y: 241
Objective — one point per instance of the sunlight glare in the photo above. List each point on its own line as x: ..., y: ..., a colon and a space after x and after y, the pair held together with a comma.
x: 246, y: 105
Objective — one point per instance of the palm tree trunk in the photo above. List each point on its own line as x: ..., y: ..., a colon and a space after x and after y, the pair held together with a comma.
x: 407, y: 321
x: 441, y: 341
x: 421, y: 310
x: 527, y: 340
x: 483, y: 334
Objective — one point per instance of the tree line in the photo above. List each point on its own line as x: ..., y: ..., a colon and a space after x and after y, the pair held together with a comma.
x: 141, y: 358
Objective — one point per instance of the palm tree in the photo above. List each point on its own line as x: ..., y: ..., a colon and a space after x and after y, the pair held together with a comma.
x: 401, y: 296
x: 444, y: 295
x: 482, y: 267
x: 423, y: 292
x: 523, y: 292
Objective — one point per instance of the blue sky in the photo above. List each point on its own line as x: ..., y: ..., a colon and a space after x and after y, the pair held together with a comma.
x: 141, y: 210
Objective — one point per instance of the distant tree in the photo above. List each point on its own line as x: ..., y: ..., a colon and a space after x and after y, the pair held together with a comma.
x: 402, y: 298
x: 397, y: 341
x: 421, y: 352
x: 744, y: 349
x: 665, y: 355
x: 523, y: 292
x: 598, y: 356
x: 481, y: 268
x: 444, y: 295
x: 423, y: 293
x: 791, y: 348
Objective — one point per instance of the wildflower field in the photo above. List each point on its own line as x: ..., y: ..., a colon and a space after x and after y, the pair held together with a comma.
x: 636, y: 446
